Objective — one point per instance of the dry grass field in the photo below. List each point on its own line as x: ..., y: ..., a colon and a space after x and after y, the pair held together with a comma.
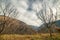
x: 29, y: 37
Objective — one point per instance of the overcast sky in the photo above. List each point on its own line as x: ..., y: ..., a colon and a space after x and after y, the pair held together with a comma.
x: 27, y: 9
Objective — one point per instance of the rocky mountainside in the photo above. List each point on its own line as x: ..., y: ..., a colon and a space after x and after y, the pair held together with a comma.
x: 14, y: 26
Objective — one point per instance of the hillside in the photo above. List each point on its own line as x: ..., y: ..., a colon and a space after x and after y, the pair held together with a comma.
x: 55, y: 27
x: 14, y: 26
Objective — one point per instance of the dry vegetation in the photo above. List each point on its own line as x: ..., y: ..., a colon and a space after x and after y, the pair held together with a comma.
x: 29, y: 37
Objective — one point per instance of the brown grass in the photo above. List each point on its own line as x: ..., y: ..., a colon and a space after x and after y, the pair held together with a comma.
x: 29, y: 37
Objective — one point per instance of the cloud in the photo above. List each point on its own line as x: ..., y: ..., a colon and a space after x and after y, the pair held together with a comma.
x: 29, y: 17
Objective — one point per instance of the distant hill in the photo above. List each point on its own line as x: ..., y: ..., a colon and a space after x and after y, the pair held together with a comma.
x: 57, y: 23
x: 34, y: 27
x: 14, y: 26
x: 55, y: 28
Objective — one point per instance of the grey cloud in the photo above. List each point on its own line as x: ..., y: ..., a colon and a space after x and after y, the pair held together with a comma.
x: 24, y: 5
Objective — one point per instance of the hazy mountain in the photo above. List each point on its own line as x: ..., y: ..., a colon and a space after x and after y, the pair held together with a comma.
x: 34, y: 27
x: 57, y: 23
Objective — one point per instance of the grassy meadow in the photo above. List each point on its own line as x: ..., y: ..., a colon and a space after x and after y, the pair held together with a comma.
x: 29, y: 37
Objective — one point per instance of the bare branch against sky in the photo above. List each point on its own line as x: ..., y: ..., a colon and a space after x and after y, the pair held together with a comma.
x: 24, y: 14
x: 7, y: 10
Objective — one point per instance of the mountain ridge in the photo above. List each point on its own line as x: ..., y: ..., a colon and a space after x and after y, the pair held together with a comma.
x: 14, y: 26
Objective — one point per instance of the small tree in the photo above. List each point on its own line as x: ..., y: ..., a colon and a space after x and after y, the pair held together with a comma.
x: 9, y: 10
x: 47, y: 17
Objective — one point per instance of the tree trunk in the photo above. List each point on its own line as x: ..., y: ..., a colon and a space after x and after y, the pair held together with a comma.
x: 50, y: 33
x: 3, y: 24
x: 50, y: 30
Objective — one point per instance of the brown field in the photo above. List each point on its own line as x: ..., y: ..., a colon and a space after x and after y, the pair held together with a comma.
x: 29, y: 37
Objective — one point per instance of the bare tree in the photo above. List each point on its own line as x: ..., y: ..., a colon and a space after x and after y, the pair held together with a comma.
x: 9, y: 10
x: 47, y: 17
